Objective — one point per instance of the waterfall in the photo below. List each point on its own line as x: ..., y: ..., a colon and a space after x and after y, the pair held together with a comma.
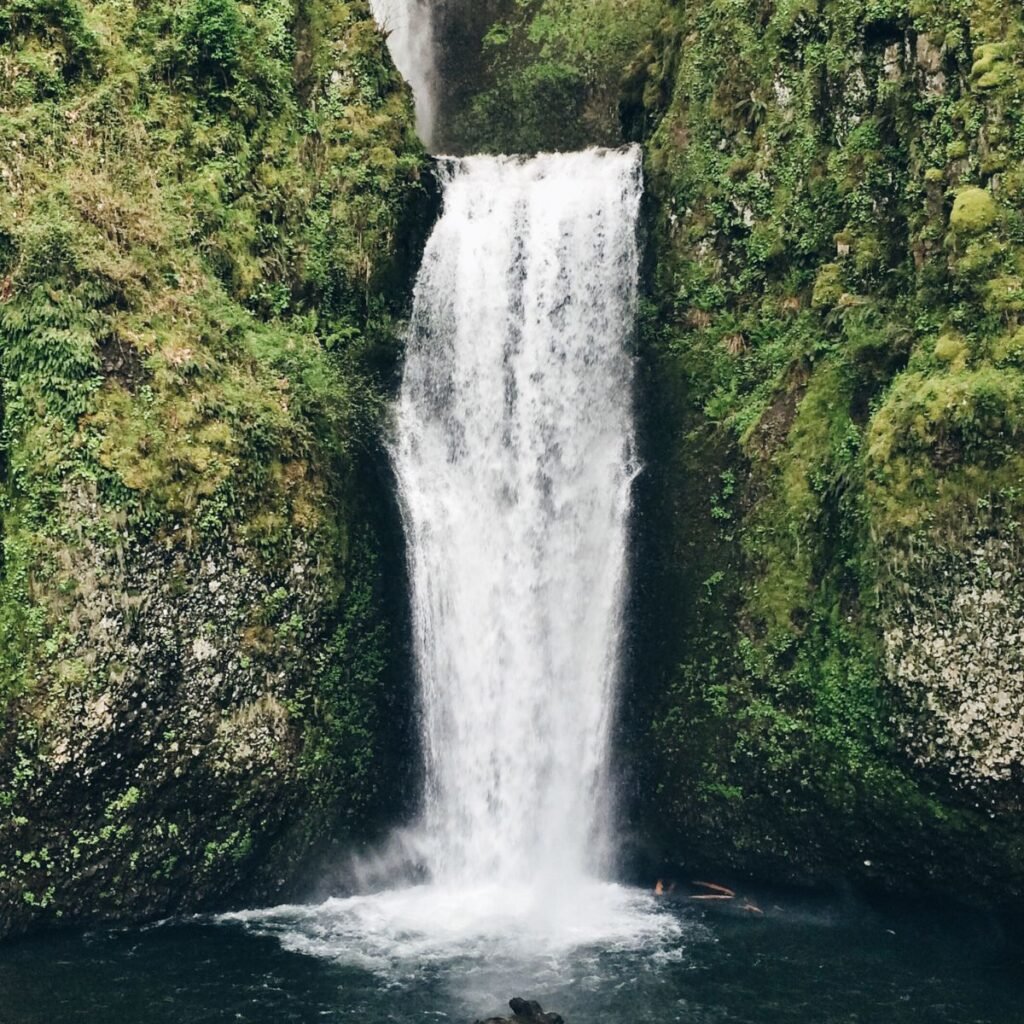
x: 514, y: 455
x: 410, y: 28
x: 513, y: 448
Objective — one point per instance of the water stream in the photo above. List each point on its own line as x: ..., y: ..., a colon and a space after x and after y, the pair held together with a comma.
x: 515, y: 458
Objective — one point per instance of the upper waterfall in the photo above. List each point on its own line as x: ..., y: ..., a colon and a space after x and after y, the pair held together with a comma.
x: 515, y: 458
x: 409, y: 25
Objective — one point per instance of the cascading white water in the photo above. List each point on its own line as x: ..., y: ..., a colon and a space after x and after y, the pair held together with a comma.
x: 514, y: 455
x: 410, y: 28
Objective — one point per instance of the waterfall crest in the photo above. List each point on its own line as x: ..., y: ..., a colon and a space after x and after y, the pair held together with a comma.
x: 514, y: 455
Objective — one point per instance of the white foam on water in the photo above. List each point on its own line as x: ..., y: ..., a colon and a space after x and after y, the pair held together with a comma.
x: 401, y: 932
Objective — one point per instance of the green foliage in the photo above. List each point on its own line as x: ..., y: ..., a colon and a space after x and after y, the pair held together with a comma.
x: 838, y: 277
x: 552, y: 73
x: 212, y: 39
x: 828, y: 286
x: 200, y: 212
x: 33, y: 27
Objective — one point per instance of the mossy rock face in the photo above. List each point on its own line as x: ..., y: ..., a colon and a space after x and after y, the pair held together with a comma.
x: 208, y: 215
x: 819, y: 681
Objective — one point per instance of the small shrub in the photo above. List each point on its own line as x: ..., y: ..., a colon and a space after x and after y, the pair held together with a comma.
x: 213, y: 38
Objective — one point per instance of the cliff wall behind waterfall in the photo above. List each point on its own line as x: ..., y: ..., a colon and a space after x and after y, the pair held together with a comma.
x: 204, y: 214
x: 826, y: 655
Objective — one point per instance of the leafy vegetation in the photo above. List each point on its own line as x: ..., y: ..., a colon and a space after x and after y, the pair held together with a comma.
x: 551, y: 74
x: 202, y: 213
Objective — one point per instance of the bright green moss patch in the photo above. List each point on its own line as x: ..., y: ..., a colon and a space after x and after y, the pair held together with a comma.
x: 974, y: 211
x: 990, y: 68
x: 951, y: 348
x: 941, y: 442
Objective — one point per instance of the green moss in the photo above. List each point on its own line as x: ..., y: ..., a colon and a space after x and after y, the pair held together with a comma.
x: 828, y: 286
x: 1009, y: 349
x: 1004, y: 295
x: 199, y: 275
x: 979, y: 260
x: 990, y: 68
x: 951, y: 348
x: 974, y: 211
x: 940, y: 443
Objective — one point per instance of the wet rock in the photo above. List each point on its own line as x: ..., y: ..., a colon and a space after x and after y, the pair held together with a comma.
x: 168, y: 766
x: 953, y: 646
x: 525, y: 1011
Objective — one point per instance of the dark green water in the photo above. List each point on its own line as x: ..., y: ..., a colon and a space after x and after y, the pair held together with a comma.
x: 798, y: 964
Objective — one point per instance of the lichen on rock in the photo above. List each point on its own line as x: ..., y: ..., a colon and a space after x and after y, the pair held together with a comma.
x: 954, y: 651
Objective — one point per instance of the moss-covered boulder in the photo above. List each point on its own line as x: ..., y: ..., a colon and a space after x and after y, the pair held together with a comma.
x: 202, y: 215
x: 974, y: 211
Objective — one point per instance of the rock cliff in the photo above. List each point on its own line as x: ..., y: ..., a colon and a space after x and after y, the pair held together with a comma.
x: 207, y: 217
